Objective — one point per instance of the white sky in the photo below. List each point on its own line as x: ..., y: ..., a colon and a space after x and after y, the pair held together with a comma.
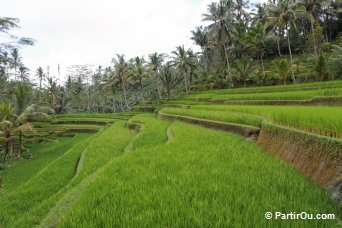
x: 92, y: 32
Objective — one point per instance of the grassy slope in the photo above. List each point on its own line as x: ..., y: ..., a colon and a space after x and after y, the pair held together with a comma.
x: 316, y: 119
x: 191, y: 182
x: 153, y: 133
x: 22, y: 171
x: 47, y: 182
x: 285, y: 95
x: 101, y: 149
x: 268, y: 89
x: 224, y: 116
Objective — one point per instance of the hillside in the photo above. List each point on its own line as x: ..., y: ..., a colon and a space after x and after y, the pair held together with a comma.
x: 141, y: 169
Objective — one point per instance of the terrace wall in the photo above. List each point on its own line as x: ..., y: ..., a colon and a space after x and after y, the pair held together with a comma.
x: 244, y: 130
x: 317, y: 157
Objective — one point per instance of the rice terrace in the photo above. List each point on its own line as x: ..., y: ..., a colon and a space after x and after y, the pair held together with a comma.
x: 239, y: 127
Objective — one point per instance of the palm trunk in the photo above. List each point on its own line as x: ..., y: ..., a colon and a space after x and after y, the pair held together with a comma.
x: 157, y: 85
x: 168, y: 94
x: 228, y: 65
x: 20, y: 144
x: 124, y: 93
x: 113, y: 104
x: 262, y: 65
x: 278, y: 44
x: 291, y: 61
x: 314, y: 38
x: 142, y: 93
x: 185, y: 83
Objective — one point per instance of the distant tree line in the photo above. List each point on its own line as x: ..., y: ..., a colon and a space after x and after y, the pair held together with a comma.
x: 278, y: 42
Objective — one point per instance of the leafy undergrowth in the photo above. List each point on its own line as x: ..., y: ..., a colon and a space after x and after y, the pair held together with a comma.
x: 322, y: 120
x: 20, y: 172
x: 201, y: 178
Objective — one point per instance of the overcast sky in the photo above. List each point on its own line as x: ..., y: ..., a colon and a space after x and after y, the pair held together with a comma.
x: 92, y: 32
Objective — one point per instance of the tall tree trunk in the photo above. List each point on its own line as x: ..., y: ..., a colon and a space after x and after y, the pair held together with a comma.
x: 228, y: 65
x: 168, y: 93
x: 291, y: 61
x: 262, y: 65
x: 113, y: 105
x: 185, y: 83
x: 20, y: 144
x: 314, y: 37
x: 142, y: 93
x: 278, y: 43
x: 10, y: 146
x: 124, y: 92
x: 157, y: 84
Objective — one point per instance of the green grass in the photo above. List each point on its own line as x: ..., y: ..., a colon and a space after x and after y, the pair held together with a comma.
x: 95, y: 152
x: 201, y: 178
x: 268, y: 89
x: 322, y: 120
x: 285, y: 95
x: 153, y: 133
x: 20, y: 172
x: 224, y: 116
x: 118, y: 140
x: 43, y: 185
x: 122, y: 115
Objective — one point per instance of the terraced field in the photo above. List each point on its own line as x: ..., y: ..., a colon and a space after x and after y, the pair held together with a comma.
x: 138, y: 170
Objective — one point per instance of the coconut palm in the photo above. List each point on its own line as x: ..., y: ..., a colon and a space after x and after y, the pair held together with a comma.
x: 255, y: 37
x: 52, y: 92
x: 312, y: 7
x: 169, y: 78
x: 200, y: 36
x: 221, y: 26
x: 243, y: 68
x: 121, y: 75
x: 20, y: 92
x: 281, y: 16
x: 15, y: 61
x: 155, y: 62
x: 138, y: 74
x: 281, y: 68
x: 40, y: 74
x: 23, y: 72
x: 184, y: 61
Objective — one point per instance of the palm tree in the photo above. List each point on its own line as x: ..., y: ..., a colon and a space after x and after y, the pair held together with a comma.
x: 183, y: 60
x: 155, y: 62
x: 221, y: 26
x: 169, y: 78
x: 280, y: 17
x: 138, y: 74
x: 21, y: 92
x: 121, y: 75
x: 40, y: 74
x: 282, y: 68
x: 243, y: 68
x: 312, y: 7
x: 200, y: 37
x: 15, y: 61
x: 255, y: 37
x: 23, y: 72
x: 52, y: 92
